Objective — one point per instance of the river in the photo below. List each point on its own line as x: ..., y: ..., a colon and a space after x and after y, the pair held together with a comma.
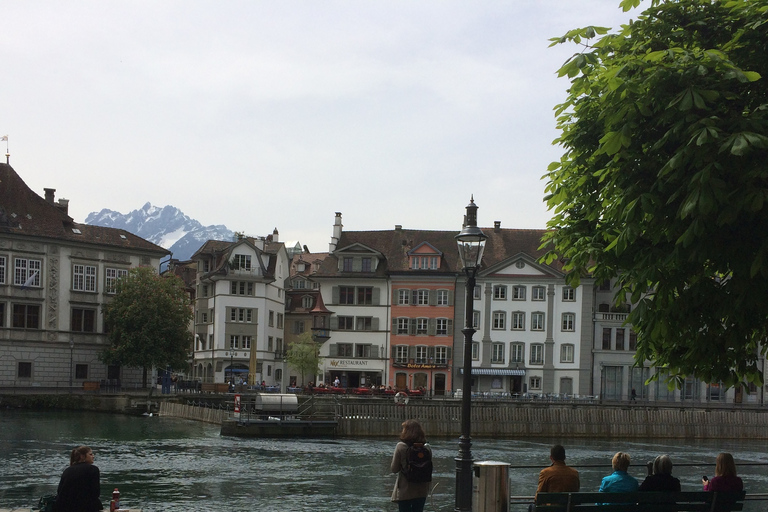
x: 167, y: 464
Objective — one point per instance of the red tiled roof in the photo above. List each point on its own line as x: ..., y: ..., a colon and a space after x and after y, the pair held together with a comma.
x: 23, y: 212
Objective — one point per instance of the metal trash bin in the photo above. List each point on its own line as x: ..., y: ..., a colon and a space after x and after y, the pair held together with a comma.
x: 490, y: 486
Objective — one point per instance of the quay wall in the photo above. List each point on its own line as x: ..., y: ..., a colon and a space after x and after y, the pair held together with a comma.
x: 360, y: 418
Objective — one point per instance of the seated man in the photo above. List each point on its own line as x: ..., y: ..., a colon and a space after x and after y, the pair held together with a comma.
x: 558, y: 477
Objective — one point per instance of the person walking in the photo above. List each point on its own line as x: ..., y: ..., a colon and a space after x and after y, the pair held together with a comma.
x: 410, y: 496
x: 80, y: 484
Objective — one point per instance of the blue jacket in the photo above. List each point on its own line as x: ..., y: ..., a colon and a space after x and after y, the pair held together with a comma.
x: 619, y: 481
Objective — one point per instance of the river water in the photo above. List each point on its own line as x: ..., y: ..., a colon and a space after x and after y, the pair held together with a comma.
x: 167, y: 464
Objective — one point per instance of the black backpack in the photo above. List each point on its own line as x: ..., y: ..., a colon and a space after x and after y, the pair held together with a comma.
x: 418, y: 463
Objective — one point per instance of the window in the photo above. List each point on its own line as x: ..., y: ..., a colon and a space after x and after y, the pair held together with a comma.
x: 402, y: 326
x: 401, y: 354
x: 81, y: 371
x: 2, y: 269
x: 363, y: 323
x: 365, y: 295
x: 441, y: 327
x: 433, y: 262
x: 475, y: 351
x: 271, y: 319
x: 421, y: 354
x: 422, y: 325
x: 83, y: 320
x: 605, y: 285
x: 403, y: 297
x: 500, y: 292
x: 27, y: 272
x: 347, y: 264
x: 242, y: 261
x: 538, y: 293
x: 346, y: 295
x: 298, y: 326
x: 606, y: 338
x: 534, y: 383
x: 363, y: 350
x: 206, y: 266
x: 299, y: 284
x: 499, y: 320
x: 441, y: 355
x: 566, y: 353
x: 475, y: 319
x: 241, y: 288
x: 367, y: 266
x: 24, y: 370
x: 280, y: 317
x: 26, y: 316
x: 442, y: 297
x: 270, y: 343
x: 518, y: 292
x: 476, y: 292
x: 632, y: 340
x: 620, y: 339
x: 84, y: 278
x: 569, y: 320
x: 497, y: 353
x: 537, y: 353
x: 306, y: 302
x: 518, y: 321
x: 234, y: 341
x: 2, y: 314
x: 346, y: 323
x: 237, y: 315
x: 517, y: 352
x: 113, y: 274
x: 421, y: 297
x: 569, y: 294
x: 537, y: 321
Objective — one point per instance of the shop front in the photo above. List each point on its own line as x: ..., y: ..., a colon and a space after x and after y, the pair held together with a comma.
x: 498, y: 380
x: 353, y: 373
x: 431, y: 378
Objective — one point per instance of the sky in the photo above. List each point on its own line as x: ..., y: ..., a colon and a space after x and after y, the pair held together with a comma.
x: 277, y: 114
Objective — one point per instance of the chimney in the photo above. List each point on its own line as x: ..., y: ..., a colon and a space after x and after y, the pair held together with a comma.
x: 336, y: 233
x: 49, y: 194
x: 398, y: 227
x: 63, y: 206
x: 496, y: 226
x: 275, y: 235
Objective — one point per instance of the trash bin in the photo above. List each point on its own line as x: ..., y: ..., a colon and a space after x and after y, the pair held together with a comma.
x: 490, y: 486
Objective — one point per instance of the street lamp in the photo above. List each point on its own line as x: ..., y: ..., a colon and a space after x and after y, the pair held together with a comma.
x: 71, y: 361
x: 471, y: 242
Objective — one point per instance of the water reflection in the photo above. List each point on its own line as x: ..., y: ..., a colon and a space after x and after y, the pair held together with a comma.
x: 164, y: 464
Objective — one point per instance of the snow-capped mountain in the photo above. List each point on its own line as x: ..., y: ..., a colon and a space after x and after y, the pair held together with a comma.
x: 167, y: 227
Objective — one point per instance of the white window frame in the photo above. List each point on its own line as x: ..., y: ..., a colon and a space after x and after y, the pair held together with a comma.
x: 24, y: 268
x: 568, y: 323
x: 441, y: 327
x: 517, y: 352
x: 402, y: 325
x: 534, y: 382
x: 539, y: 293
x: 441, y: 354
x: 111, y: 275
x: 422, y: 298
x: 422, y: 325
x: 569, y: 294
x: 247, y: 342
x: 401, y: 354
x: 497, y: 353
x: 499, y: 322
x: 499, y: 292
x: 567, y: 351
x: 3, y: 263
x: 234, y: 341
x: 518, y: 292
x: 537, y: 321
x: 475, y: 351
x: 243, y: 261
x: 442, y: 297
x: 421, y: 354
x: 517, y: 321
x: 475, y: 319
x: 403, y: 297
x: 307, y: 302
x: 537, y: 353
x: 83, y: 277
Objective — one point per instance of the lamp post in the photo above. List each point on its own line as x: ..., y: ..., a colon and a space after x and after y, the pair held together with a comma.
x: 471, y: 242
x: 71, y: 361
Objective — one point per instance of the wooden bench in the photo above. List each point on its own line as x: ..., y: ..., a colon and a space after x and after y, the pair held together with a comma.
x: 91, y: 386
x: 697, y: 501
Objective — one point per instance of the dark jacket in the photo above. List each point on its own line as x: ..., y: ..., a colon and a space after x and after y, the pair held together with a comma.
x: 660, y: 483
x: 79, y: 489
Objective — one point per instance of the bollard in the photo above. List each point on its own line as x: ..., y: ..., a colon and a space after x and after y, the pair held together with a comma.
x: 490, y: 486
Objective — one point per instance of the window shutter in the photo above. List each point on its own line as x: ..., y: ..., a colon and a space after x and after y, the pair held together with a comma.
x: 335, y: 295
x: 392, y: 352
x: 375, y: 323
x: 431, y: 352
x: 394, y: 326
x: 450, y: 351
x: 333, y: 350
x: 412, y: 326
x: 395, y: 295
x: 450, y: 327
x: 411, y: 352
x: 432, y: 327
x: 414, y: 297
x: 433, y: 297
x: 357, y: 264
x: 334, y: 323
x: 375, y: 296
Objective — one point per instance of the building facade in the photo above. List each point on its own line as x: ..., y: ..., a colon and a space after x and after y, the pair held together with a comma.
x: 55, y: 277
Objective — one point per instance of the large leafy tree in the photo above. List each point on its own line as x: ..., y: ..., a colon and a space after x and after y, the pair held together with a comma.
x: 304, y: 356
x: 148, y: 322
x: 664, y: 180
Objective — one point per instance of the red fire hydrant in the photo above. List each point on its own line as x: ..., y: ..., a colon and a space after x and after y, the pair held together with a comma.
x: 115, y: 503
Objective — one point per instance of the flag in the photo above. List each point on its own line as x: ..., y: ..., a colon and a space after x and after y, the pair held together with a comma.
x: 30, y: 280
x: 4, y: 138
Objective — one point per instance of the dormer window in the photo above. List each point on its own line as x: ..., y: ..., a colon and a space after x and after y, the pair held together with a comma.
x: 242, y: 261
x: 301, y: 267
x: 366, y: 265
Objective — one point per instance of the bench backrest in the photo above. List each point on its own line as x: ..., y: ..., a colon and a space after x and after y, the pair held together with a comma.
x: 696, y: 501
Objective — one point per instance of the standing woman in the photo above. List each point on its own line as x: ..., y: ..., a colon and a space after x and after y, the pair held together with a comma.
x: 410, y: 496
x: 80, y: 485
x: 725, y: 479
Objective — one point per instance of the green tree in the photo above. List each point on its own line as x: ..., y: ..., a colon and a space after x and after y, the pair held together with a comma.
x: 148, y: 322
x: 304, y: 356
x: 663, y: 182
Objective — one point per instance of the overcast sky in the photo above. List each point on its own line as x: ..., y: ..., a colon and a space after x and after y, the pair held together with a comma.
x: 265, y: 114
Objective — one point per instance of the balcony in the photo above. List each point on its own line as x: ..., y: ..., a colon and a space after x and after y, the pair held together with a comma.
x: 611, y: 317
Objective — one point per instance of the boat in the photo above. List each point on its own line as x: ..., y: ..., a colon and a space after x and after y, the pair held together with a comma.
x: 274, y: 415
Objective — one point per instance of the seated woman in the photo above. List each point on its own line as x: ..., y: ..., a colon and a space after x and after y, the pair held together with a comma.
x: 661, y: 480
x: 79, y: 487
x: 725, y: 479
x: 619, y: 480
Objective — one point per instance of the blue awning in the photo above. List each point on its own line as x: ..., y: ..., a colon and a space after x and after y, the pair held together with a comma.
x: 494, y: 371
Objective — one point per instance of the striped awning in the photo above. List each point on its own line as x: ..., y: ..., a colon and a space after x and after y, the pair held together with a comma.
x: 494, y: 371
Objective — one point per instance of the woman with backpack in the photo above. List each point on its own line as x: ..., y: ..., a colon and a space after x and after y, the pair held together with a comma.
x: 412, y: 462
